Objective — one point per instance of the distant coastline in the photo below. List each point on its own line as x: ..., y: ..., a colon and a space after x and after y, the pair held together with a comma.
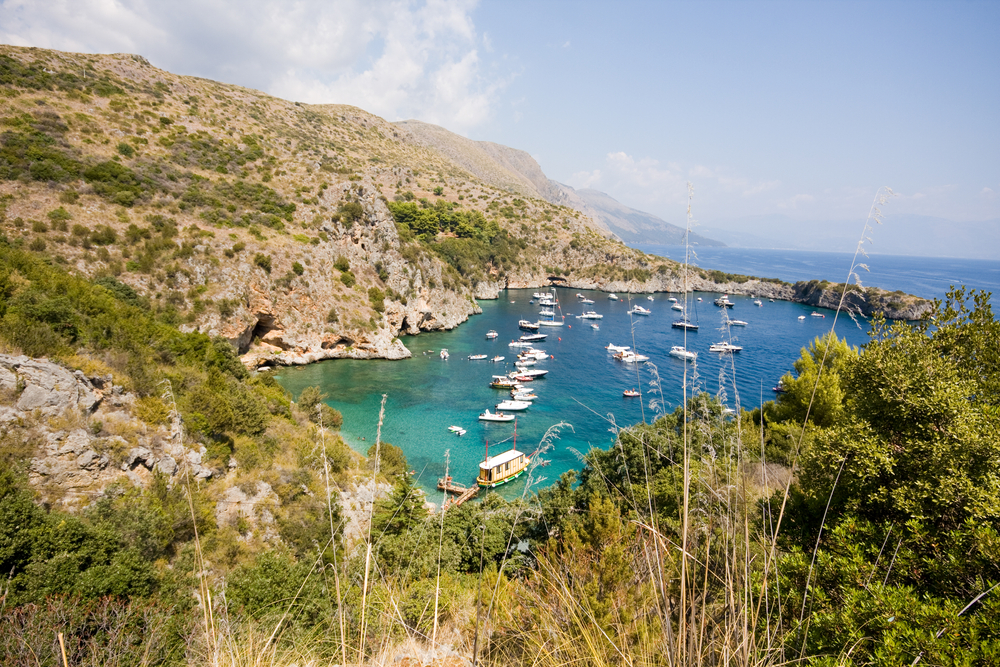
x: 928, y: 277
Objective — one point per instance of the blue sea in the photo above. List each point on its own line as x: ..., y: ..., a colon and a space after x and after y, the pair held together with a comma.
x: 583, y: 390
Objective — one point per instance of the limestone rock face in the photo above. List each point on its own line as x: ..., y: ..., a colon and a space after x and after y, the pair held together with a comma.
x: 86, y: 437
x: 46, y: 387
x: 255, y: 506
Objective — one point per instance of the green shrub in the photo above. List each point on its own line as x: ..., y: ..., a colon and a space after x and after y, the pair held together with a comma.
x: 125, y: 149
x: 341, y: 264
x: 263, y: 261
x: 377, y: 299
x: 347, y: 278
x: 298, y: 268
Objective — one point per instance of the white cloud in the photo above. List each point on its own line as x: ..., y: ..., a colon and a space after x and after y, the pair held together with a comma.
x: 396, y: 58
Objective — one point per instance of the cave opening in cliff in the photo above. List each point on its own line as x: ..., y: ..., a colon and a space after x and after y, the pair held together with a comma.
x: 265, y: 325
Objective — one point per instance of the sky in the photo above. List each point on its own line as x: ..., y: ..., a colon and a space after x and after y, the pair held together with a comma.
x: 791, y: 110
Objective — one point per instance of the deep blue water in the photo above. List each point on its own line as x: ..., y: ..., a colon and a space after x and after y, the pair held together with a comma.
x: 929, y: 277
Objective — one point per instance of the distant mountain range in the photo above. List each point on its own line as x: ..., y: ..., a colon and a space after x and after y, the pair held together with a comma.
x: 516, y: 171
x: 902, y: 234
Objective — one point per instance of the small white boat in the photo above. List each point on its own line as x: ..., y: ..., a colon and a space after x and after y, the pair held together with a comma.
x: 771, y: 300
x: 590, y: 315
x: 758, y: 302
x: 631, y: 393
x: 522, y: 395
x: 503, y: 382
x: 681, y: 352
x: 677, y: 306
x: 497, y: 358
x: 737, y: 323
x: 491, y: 334
x: 684, y: 323
x: 455, y: 429
x: 613, y: 296
x: 699, y: 298
x: 488, y: 416
x: 534, y: 354
x: 549, y: 323
x: 519, y: 343
x: 540, y: 295
x: 724, y: 302
x: 476, y: 357
x: 639, y: 310
x: 545, y: 312
x: 672, y: 299
x: 531, y: 373
x: 649, y: 298
x: 513, y: 406
x: 616, y: 348
x: 525, y: 324
x: 802, y: 317
x: 586, y: 301
x: 595, y: 327
x: 724, y: 347
x: 533, y: 337
x: 631, y: 357
x: 815, y: 314
x: 525, y: 362
x: 444, y: 354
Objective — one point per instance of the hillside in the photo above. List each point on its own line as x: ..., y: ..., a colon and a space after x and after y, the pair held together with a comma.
x: 634, y: 226
x: 298, y: 232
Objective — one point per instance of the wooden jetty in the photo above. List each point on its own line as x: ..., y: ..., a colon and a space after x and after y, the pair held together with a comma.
x: 463, y: 492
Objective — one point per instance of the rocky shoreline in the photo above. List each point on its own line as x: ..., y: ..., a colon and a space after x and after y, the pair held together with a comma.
x: 865, y: 302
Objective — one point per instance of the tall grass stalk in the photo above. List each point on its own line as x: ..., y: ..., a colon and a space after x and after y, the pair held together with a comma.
x: 368, y: 541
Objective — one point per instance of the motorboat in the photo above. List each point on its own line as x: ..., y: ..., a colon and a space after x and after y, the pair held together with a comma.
x: 532, y: 373
x: 649, y: 298
x: 522, y: 395
x: 672, y: 299
x: 724, y: 302
x: 699, y: 298
x: 613, y: 296
x: 504, y: 382
x: 802, y: 317
x: 639, y: 310
x: 541, y: 295
x: 488, y: 416
x: 497, y: 358
x: 532, y: 353
x: 684, y: 324
x: 522, y: 363
x: 724, y: 347
x: 491, y: 334
x: 676, y: 306
x: 631, y: 357
x: 519, y: 343
x: 590, y: 315
x: 444, y: 354
x: 631, y: 393
x: 522, y: 378
x: 525, y: 324
x: 737, y: 323
x: 758, y: 302
x: 815, y: 314
x: 513, y: 406
x: 595, y: 327
x: 528, y: 338
x: 616, y: 348
x: 545, y: 312
x: 476, y: 357
x: 779, y: 388
x: 681, y: 352
x: 549, y: 323
x: 586, y: 301
x: 457, y: 430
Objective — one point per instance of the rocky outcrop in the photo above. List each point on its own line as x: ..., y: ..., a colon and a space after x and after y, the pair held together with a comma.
x: 253, y: 507
x: 47, y: 388
x: 84, y: 433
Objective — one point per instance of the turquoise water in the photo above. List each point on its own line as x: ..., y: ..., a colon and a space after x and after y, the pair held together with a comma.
x: 426, y: 395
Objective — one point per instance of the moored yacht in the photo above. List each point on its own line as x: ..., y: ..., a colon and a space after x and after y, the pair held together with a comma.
x: 681, y: 352
x: 724, y: 347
